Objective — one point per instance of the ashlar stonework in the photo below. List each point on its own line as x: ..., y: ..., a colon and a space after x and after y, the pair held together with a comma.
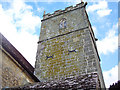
x: 67, y: 46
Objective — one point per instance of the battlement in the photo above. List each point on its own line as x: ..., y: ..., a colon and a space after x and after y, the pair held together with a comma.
x: 67, y: 47
x: 67, y: 9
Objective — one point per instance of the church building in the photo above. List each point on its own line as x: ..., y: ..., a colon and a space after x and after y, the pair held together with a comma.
x: 15, y: 70
x: 67, y: 55
x: 67, y: 47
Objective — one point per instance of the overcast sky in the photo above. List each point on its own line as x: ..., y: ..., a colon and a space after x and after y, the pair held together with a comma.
x: 20, y: 23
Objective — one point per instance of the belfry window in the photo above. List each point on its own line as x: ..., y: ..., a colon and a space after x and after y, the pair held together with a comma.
x: 63, y: 23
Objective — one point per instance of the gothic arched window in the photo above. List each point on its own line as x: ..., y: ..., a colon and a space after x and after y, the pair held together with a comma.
x: 63, y: 23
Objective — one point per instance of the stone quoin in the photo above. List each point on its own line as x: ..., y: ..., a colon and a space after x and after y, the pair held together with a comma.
x: 67, y: 46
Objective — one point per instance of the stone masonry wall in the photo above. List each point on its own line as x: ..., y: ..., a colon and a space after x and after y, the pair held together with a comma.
x: 75, y: 20
x: 64, y: 63
x: 11, y: 74
x: 84, y: 82
x: 69, y: 51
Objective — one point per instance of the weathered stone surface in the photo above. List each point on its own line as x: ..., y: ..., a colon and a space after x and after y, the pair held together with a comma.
x: 12, y: 74
x: 74, y: 20
x: 62, y: 56
x: 66, y: 46
x: 86, y: 81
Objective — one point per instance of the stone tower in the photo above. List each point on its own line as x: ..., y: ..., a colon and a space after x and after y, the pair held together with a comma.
x: 67, y: 46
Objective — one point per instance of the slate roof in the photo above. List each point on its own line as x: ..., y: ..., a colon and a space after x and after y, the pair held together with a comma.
x: 84, y: 82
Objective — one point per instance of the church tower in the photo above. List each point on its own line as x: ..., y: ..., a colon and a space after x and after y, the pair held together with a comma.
x: 67, y: 46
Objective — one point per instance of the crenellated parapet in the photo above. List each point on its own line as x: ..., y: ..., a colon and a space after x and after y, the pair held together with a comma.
x: 67, y: 9
x: 67, y: 48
